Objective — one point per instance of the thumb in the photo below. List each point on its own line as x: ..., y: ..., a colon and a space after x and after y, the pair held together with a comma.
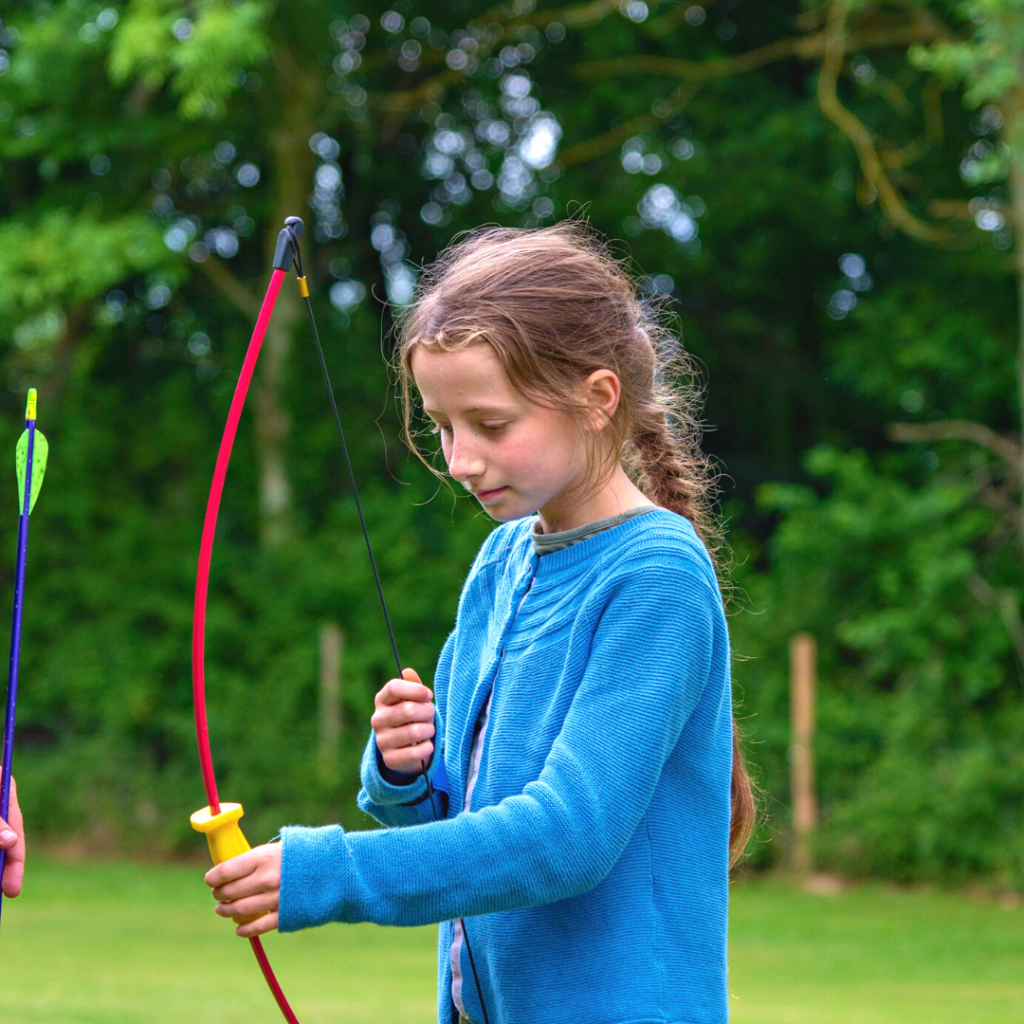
x: 412, y: 675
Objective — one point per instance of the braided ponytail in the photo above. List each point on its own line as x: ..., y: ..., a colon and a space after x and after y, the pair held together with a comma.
x: 673, y: 472
x: 665, y: 476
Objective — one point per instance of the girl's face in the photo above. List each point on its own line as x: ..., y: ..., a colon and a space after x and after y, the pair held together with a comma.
x: 516, y: 457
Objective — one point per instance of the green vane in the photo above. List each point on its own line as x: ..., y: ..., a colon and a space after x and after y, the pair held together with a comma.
x: 40, y: 450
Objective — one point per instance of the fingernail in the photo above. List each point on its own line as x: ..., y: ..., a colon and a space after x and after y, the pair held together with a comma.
x: 7, y: 836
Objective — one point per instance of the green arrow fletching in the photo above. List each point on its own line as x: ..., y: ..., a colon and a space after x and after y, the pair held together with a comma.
x: 40, y: 452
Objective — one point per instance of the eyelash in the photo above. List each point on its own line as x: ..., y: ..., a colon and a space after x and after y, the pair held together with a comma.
x: 438, y: 428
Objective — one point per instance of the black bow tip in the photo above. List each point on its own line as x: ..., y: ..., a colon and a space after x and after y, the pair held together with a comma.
x: 287, y: 242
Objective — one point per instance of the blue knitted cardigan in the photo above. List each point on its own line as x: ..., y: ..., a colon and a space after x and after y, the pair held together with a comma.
x: 592, y: 870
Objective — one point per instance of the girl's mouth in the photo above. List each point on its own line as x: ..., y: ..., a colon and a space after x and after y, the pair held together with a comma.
x: 486, y: 496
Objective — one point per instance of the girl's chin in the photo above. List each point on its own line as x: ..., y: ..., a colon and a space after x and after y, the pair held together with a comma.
x: 506, y: 511
x: 503, y: 515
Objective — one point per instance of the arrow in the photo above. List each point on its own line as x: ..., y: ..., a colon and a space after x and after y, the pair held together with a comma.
x: 30, y: 460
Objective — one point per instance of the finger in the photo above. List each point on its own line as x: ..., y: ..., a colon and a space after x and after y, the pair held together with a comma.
x: 14, y: 865
x: 16, y: 821
x: 394, y: 716
x: 406, y: 736
x: 14, y: 869
x: 394, y: 691
x: 409, y: 759
x: 14, y: 876
x: 231, y: 870
x: 262, y: 925
x: 251, y: 885
x: 15, y: 824
x: 411, y: 673
x: 263, y: 903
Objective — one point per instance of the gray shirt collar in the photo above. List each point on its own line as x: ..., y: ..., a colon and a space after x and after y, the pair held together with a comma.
x: 545, y: 543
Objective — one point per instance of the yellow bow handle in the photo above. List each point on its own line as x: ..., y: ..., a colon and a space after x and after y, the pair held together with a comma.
x: 225, y: 839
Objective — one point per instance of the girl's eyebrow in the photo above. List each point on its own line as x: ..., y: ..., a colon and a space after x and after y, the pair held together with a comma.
x: 472, y: 408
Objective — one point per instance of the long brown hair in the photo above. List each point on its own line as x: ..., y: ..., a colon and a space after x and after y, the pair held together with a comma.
x: 555, y: 305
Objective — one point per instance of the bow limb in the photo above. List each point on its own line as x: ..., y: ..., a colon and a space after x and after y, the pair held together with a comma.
x: 227, y: 442
x: 221, y: 823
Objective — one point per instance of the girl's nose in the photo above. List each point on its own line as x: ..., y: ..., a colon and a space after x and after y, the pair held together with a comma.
x: 464, y: 462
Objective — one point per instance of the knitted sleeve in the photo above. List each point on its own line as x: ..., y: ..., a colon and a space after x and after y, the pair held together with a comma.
x: 649, y: 665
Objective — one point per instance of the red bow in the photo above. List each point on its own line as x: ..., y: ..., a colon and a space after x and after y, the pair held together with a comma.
x: 282, y: 261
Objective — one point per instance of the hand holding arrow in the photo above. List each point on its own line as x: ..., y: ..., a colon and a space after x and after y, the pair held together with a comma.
x: 12, y: 842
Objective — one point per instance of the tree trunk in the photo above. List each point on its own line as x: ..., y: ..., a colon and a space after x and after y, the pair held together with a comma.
x: 293, y: 170
x: 273, y: 424
x: 1013, y: 135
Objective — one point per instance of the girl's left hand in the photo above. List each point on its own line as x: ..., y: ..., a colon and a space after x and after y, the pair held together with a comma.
x: 12, y: 839
x: 249, y: 884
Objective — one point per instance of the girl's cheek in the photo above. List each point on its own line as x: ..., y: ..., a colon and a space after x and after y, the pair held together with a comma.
x: 521, y: 452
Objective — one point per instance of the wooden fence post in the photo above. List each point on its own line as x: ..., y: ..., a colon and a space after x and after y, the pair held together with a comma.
x: 802, y: 673
x: 332, y: 643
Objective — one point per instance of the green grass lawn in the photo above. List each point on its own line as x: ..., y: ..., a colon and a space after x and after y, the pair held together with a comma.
x: 118, y: 943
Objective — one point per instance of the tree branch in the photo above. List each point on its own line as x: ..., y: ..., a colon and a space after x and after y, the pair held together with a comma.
x: 1005, y: 448
x: 1007, y: 603
x: 668, y: 23
x: 672, y: 104
x: 694, y: 70
x: 931, y: 100
x: 809, y: 47
x: 245, y: 300
x: 576, y: 16
x: 892, y: 203
x: 951, y: 209
x: 830, y: 45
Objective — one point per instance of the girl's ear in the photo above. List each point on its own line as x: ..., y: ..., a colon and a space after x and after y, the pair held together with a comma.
x: 602, y: 392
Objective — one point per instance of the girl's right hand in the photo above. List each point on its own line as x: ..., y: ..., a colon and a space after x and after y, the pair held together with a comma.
x: 404, y: 723
x: 12, y: 839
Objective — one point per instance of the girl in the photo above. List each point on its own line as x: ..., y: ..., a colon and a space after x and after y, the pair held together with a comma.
x: 579, y: 739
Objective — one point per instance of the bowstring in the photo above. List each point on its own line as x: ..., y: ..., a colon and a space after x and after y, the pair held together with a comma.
x: 297, y: 253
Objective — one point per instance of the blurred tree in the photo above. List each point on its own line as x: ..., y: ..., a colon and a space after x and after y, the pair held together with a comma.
x: 906, y: 349
x: 978, y: 44
x: 148, y: 153
x: 987, y: 59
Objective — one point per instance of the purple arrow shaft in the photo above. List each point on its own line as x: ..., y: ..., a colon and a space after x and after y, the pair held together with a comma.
x: 12, y: 671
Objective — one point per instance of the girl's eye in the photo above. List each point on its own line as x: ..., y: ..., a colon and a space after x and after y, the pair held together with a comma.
x: 440, y: 428
x: 493, y: 426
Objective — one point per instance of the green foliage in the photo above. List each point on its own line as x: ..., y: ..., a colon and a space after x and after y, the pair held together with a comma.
x: 988, y: 61
x: 921, y: 727
x: 66, y: 259
x: 147, y: 152
x: 199, y: 48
